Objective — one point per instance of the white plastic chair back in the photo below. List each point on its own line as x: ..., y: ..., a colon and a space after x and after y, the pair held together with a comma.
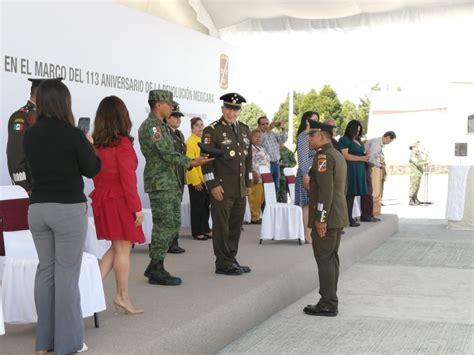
x: 290, y: 181
x: 268, y: 185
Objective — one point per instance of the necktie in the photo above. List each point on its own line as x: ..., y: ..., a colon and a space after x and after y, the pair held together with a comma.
x: 234, y: 128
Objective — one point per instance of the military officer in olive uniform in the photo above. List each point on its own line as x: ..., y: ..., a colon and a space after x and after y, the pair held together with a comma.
x: 418, y: 162
x: 18, y: 123
x: 327, y: 216
x: 174, y: 122
x: 161, y: 182
x: 228, y: 178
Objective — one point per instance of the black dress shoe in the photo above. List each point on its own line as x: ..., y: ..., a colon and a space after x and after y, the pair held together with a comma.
x: 230, y: 270
x: 316, y: 310
x: 176, y: 250
x: 245, y: 269
x: 204, y: 237
x: 208, y: 236
x: 259, y: 221
x: 369, y: 219
x: 354, y: 224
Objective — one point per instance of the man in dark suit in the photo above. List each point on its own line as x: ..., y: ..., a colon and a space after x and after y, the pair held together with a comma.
x: 327, y: 216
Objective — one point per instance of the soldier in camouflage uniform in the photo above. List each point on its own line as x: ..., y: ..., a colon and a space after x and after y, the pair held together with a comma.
x: 287, y: 160
x: 327, y: 216
x: 18, y: 124
x: 418, y: 162
x: 174, y: 121
x: 161, y: 182
x: 228, y: 179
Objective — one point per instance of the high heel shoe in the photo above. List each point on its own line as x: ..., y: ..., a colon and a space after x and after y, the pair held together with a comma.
x: 128, y: 311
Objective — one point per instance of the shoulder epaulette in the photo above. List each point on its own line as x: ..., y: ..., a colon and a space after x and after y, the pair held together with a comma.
x: 214, y: 124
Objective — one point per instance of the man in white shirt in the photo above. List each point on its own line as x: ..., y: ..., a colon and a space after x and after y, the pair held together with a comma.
x: 271, y: 143
x: 373, y: 147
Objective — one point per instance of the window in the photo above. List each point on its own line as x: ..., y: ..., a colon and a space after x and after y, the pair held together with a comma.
x: 470, y: 124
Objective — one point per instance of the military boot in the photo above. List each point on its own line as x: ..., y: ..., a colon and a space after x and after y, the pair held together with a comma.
x: 159, y: 276
x: 413, y: 202
x: 150, y: 267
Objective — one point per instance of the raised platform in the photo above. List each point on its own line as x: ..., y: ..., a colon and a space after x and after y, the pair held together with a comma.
x: 209, y: 311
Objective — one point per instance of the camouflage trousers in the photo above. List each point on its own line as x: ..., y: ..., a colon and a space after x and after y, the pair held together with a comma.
x: 414, y: 186
x: 166, y: 211
x: 282, y: 192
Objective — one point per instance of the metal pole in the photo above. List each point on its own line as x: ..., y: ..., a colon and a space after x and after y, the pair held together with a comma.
x: 289, y: 142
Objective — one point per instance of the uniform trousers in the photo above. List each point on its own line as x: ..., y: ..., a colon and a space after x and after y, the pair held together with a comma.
x: 175, y: 240
x: 59, y: 233
x: 367, y: 201
x: 325, y: 251
x: 166, y: 211
x: 200, y: 210
x: 415, y: 181
x: 227, y: 219
x: 282, y: 190
x: 256, y: 198
x: 275, y: 171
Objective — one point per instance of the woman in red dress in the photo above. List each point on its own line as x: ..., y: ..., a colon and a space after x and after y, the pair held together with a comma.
x: 117, y: 208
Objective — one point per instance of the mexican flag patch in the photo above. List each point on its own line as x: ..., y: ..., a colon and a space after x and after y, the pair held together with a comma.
x: 18, y: 127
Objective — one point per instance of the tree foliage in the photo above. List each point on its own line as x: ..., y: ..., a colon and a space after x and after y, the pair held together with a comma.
x: 250, y: 114
x: 282, y: 113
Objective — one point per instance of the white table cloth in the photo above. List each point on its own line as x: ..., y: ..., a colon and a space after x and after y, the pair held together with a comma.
x: 2, y: 325
x: 18, y: 288
x: 281, y: 221
x: 460, y: 203
x: 457, y: 180
x: 93, y: 245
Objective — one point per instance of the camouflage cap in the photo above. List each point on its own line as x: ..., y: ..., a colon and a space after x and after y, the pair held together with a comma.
x: 162, y: 95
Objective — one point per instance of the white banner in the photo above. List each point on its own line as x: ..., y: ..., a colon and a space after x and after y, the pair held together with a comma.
x: 102, y: 49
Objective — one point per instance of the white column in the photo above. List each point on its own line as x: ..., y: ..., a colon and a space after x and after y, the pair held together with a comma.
x: 289, y: 142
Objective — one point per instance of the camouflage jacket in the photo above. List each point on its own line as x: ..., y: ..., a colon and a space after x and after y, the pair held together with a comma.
x: 162, y: 158
x: 287, y: 158
x: 418, y: 161
x: 18, y: 124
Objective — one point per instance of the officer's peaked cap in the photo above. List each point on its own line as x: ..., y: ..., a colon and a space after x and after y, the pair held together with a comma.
x: 315, y: 126
x: 233, y: 100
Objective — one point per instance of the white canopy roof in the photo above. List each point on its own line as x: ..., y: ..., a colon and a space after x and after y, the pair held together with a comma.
x: 218, y: 16
x: 225, y: 13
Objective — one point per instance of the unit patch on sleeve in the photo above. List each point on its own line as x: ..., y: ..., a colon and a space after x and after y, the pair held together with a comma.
x: 322, y: 163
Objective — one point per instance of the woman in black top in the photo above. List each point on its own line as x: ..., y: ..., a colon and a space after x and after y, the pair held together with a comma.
x: 59, y: 155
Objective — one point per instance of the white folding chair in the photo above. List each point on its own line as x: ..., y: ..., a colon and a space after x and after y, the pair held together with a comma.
x: 290, y: 182
x: 280, y: 221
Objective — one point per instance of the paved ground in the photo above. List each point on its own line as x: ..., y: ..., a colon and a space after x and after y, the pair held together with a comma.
x: 412, y: 295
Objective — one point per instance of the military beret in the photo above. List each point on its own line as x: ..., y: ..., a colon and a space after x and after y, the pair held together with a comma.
x: 315, y: 126
x: 36, y: 81
x: 233, y: 100
x: 162, y: 95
